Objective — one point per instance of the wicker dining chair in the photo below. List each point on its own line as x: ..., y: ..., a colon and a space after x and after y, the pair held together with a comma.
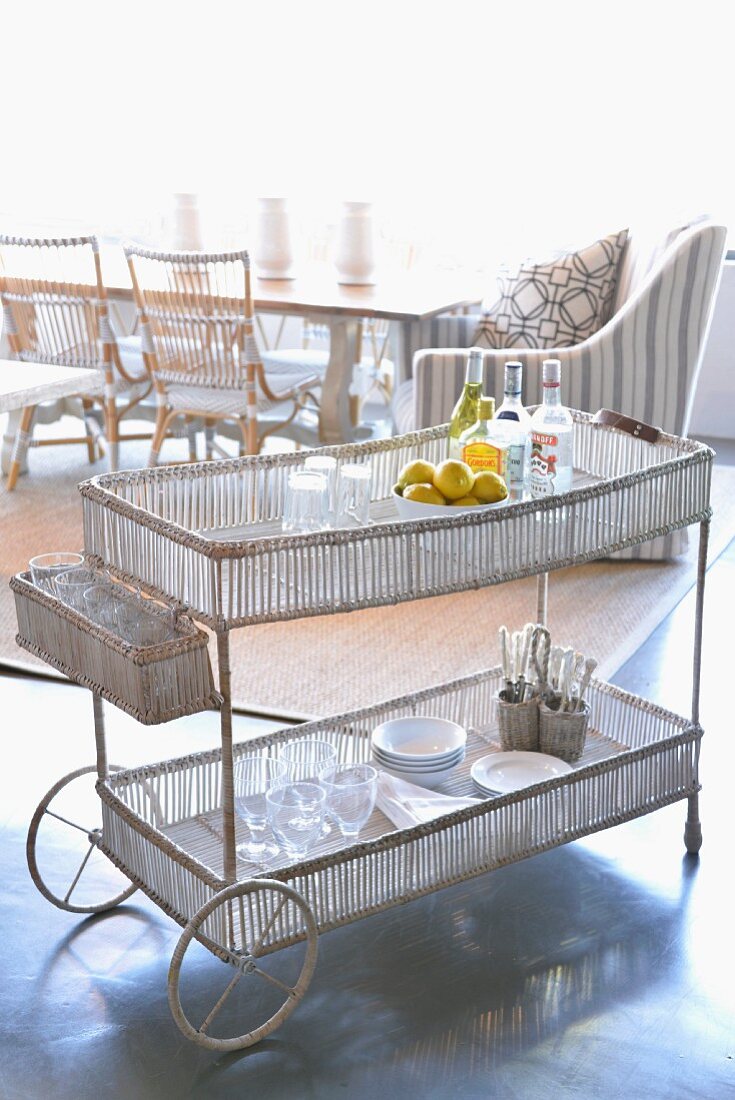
x: 55, y: 311
x: 371, y: 358
x: 195, y: 315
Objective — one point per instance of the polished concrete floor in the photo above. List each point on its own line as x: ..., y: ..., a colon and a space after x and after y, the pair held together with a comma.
x: 599, y: 970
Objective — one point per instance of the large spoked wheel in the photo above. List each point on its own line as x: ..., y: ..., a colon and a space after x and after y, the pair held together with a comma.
x: 62, y: 848
x: 246, y: 916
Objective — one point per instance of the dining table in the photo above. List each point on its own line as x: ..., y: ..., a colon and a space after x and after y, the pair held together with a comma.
x: 400, y: 296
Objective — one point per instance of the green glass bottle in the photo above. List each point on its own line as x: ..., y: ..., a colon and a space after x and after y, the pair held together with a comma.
x: 466, y: 410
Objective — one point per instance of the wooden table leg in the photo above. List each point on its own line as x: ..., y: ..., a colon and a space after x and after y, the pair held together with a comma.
x: 335, y: 424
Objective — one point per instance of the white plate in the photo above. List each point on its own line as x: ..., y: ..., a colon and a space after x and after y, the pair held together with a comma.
x: 407, y: 765
x: 420, y: 779
x: 423, y: 738
x: 511, y: 771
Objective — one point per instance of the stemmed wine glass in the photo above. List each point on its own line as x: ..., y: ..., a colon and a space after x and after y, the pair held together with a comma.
x: 351, y: 794
x: 253, y: 777
x: 295, y: 814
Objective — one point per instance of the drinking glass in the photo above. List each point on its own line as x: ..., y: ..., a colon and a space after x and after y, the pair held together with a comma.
x: 327, y: 466
x: 45, y: 567
x: 127, y: 613
x: 101, y: 605
x: 353, y: 495
x: 254, y: 776
x: 71, y: 585
x: 296, y: 814
x: 351, y: 796
x: 308, y: 760
x: 306, y: 507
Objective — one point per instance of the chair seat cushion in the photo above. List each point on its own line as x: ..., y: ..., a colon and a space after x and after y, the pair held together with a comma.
x: 555, y: 304
x: 311, y: 361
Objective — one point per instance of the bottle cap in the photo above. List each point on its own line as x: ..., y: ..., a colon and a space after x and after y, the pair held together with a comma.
x: 487, y: 408
x: 513, y: 375
x: 552, y: 370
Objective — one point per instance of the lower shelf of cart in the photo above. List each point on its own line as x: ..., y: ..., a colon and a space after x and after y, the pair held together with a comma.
x: 163, y: 823
x: 202, y: 838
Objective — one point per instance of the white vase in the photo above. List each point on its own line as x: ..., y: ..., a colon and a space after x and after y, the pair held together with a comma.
x: 355, y: 256
x: 187, y: 228
x: 272, y: 252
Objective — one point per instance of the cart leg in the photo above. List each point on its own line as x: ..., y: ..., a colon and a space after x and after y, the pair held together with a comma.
x: 542, y: 597
x: 228, y: 791
x: 693, y: 827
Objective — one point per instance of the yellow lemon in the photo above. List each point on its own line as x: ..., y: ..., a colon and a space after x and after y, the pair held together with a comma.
x: 453, y: 478
x: 465, y: 500
x: 416, y: 473
x: 489, y: 487
x: 427, y: 494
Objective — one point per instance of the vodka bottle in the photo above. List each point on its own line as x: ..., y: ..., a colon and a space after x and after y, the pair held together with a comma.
x: 551, y: 439
x: 513, y: 424
x: 468, y: 406
x: 483, y: 448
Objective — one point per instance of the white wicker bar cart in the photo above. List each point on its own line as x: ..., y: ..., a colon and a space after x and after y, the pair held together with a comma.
x: 208, y: 539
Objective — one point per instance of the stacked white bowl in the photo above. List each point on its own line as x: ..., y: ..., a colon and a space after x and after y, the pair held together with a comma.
x: 421, y: 750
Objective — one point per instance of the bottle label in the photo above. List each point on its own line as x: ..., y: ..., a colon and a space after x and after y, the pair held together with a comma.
x: 542, y: 474
x: 516, y: 462
x: 483, y: 456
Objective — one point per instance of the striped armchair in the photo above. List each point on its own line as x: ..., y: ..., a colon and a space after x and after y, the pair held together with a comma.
x: 644, y: 362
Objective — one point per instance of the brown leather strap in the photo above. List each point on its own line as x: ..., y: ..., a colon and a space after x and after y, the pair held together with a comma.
x: 627, y: 424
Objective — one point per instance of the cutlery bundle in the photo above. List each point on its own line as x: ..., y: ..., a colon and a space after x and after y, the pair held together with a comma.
x: 534, y: 668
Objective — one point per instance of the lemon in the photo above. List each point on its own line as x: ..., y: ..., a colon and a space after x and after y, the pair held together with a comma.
x: 453, y: 478
x: 426, y: 494
x: 489, y: 487
x: 465, y: 500
x: 415, y: 473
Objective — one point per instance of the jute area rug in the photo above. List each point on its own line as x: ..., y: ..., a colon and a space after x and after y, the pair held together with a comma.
x: 335, y: 663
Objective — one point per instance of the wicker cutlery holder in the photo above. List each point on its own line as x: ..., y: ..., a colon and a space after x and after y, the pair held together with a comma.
x: 562, y: 733
x: 518, y: 724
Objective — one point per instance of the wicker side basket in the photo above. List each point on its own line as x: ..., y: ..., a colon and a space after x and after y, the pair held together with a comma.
x: 153, y: 683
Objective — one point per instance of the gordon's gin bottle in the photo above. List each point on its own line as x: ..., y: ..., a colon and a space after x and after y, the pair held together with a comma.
x: 551, y: 439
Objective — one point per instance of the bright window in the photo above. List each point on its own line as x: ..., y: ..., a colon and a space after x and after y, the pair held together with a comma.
x: 481, y: 131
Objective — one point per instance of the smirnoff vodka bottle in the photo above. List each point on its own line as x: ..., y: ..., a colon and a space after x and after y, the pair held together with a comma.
x: 551, y: 439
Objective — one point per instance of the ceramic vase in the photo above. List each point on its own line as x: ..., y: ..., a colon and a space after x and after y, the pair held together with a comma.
x: 355, y: 257
x: 186, y: 227
x: 273, y: 252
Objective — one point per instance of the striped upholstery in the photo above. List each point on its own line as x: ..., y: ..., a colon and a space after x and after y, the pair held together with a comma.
x: 447, y: 330
x: 644, y: 362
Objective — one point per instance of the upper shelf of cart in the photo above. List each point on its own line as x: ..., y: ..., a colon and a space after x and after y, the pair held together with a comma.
x: 220, y: 507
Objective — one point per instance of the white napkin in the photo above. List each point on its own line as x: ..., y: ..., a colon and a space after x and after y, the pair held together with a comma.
x: 405, y: 804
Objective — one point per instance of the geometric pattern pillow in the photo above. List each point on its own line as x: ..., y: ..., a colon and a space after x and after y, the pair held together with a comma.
x: 555, y: 304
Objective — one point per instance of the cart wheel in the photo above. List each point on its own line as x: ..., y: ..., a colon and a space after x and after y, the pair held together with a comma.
x: 93, y: 834
x: 246, y: 925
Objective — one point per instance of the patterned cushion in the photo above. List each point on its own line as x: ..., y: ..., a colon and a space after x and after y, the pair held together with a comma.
x: 555, y: 304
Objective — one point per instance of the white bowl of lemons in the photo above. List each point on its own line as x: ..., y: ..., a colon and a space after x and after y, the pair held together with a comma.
x: 428, y: 491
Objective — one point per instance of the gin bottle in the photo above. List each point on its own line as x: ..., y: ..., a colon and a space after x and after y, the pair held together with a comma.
x: 513, y: 424
x: 482, y: 447
x: 466, y: 410
x: 551, y: 439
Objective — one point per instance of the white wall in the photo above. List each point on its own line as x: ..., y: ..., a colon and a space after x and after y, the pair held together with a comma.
x: 713, y: 413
